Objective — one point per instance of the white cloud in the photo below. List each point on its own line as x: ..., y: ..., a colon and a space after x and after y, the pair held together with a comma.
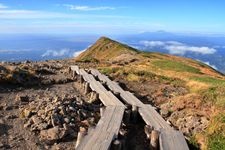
x: 2, y: 6
x: 182, y: 49
x: 12, y: 51
x: 77, y: 53
x: 88, y: 8
x: 32, y: 14
x: 179, y: 48
x: 213, y: 66
x: 152, y: 43
x: 55, y: 53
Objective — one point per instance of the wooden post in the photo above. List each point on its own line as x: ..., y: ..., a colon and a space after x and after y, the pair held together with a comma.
x: 117, y: 94
x: 127, y: 114
x: 89, y: 71
x: 80, y: 136
x: 154, y: 140
x: 73, y: 74
x: 123, y: 138
x: 87, y: 88
x: 94, y: 96
x: 117, y: 145
x: 134, y: 113
x: 81, y: 80
x: 102, y: 109
x: 148, y: 130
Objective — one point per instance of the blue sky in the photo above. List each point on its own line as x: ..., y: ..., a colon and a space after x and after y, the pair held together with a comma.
x: 111, y: 16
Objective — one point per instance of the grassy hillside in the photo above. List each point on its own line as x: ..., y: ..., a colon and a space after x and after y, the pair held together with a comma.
x: 182, y: 86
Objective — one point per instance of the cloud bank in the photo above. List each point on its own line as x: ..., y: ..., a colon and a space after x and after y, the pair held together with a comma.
x: 88, y: 8
x: 75, y: 54
x: 208, y: 63
x: 178, y: 48
x: 54, y: 53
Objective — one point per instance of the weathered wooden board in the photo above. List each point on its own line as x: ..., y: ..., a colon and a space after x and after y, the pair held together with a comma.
x: 172, y: 140
x: 152, y: 118
x: 76, y: 69
x: 106, y: 130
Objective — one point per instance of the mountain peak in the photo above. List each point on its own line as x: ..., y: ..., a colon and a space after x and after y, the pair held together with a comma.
x: 105, y: 49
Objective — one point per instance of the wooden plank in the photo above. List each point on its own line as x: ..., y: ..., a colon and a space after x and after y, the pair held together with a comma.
x: 96, y: 142
x: 113, y: 98
x: 112, y: 129
x: 91, y: 138
x: 158, y: 117
x: 106, y: 130
x: 153, y: 118
x: 76, y: 69
x: 172, y: 140
x: 126, y: 96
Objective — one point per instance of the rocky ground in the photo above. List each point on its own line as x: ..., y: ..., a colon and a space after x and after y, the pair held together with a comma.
x: 43, y: 109
x: 179, y: 114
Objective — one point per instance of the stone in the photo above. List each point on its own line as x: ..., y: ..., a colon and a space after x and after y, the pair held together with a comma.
x: 40, y: 112
x: 8, y: 107
x: 11, y: 117
x: 36, y: 120
x: 29, y: 123
x: 27, y: 113
x: 72, y: 109
x: 164, y: 113
x: 55, y: 119
x: 22, y: 98
x: 1, y: 121
x: 53, y: 134
x: 66, y: 120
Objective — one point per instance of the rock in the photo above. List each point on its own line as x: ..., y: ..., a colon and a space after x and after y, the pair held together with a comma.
x: 43, y: 126
x: 8, y: 107
x: 36, y: 120
x: 55, y: 119
x: 53, y: 134
x: 164, y: 113
x: 2, y: 121
x: 27, y: 113
x: 1, y: 145
x: 11, y: 117
x: 72, y: 109
x: 22, y: 98
x: 29, y: 123
x: 66, y: 120
x: 40, y: 112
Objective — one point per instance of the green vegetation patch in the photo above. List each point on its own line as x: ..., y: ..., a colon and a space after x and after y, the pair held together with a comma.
x: 209, y: 80
x: 214, y: 95
x: 175, y: 66
x: 108, y: 70
x: 89, y: 59
x: 216, y: 134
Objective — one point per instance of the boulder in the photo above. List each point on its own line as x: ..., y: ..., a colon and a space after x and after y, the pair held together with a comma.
x: 53, y: 134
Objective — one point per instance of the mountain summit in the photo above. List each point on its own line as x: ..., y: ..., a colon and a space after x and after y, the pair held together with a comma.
x: 106, y: 49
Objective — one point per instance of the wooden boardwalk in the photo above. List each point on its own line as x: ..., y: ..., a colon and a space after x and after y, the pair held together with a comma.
x: 108, y: 126
x: 106, y: 130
